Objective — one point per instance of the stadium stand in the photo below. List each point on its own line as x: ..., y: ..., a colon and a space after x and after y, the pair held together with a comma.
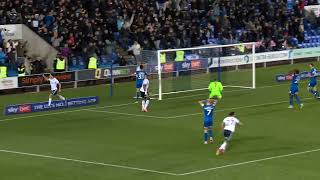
x: 108, y: 28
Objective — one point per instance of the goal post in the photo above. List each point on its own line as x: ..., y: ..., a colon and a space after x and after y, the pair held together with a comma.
x: 191, y: 69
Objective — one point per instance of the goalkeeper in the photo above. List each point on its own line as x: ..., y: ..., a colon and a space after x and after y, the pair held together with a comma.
x: 215, y: 89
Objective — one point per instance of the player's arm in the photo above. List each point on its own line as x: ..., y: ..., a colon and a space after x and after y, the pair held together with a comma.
x: 45, y: 77
x: 210, y: 87
x: 239, y: 123
x: 220, y: 87
x: 201, y: 103
x: 59, y: 87
x: 222, y: 125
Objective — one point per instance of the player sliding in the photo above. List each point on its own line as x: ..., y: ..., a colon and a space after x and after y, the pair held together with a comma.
x: 294, y: 88
x: 145, y: 94
x: 312, y: 86
x: 208, y: 107
x: 215, y: 89
x: 54, y: 83
x: 229, y: 125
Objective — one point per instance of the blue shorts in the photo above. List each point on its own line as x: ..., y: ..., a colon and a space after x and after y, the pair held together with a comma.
x: 139, y: 84
x: 312, y: 84
x: 294, y: 90
x: 227, y: 134
x: 207, y: 124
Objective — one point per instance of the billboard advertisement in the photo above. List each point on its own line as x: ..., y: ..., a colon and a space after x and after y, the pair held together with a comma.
x: 39, y: 80
x: 8, y: 83
x: 43, y: 106
x: 288, y: 77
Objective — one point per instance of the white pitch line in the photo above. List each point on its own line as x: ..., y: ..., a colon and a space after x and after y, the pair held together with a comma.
x: 86, y: 162
x: 228, y: 109
x: 250, y: 162
x: 127, y: 114
x: 237, y: 90
x: 64, y: 112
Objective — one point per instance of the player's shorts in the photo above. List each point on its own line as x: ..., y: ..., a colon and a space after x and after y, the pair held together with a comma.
x: 207, y: 124
x: 54, y: 92
x: 312, y: 84
x: 227, y: 134
x: 215, y: 95
x: 294, y: 90
x: 139, y: 84
x: 143, y: 94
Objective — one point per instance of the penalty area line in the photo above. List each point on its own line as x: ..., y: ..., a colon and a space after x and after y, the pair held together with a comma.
x: 234, y: 108
x: 86, y: 162
x: 250, y: 162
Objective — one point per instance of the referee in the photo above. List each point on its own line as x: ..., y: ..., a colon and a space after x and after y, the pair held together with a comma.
x: 215, y: 89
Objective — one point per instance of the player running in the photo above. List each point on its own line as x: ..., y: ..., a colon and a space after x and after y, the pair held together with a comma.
x: 208, y: 107
x: 229, y: 125
x: 54, y: 83
x: 312, y: 86
x: 294, y: 88
x: 215, y: 89
x: 140, y: 76
x: 144, y: 91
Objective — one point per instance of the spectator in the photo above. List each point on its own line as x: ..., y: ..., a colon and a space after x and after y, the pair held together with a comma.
x: 3, y: 57
x: 136, y: 51
x: 12, y: 53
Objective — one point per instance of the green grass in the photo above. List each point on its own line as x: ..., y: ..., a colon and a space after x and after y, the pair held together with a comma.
x: 162, y: 141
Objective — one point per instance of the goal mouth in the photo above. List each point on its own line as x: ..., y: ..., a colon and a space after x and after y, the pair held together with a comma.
x: 192, y: 69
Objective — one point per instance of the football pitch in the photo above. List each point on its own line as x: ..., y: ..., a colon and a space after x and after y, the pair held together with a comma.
x: 115, y: 141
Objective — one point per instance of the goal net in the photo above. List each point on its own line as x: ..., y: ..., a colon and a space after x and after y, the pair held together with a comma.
x: 192, y: 69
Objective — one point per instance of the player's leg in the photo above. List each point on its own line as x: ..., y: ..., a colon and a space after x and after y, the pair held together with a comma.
x: 227, y: 136
x: 205, y: 134
x: 143, y: 102
x: 296, y: 96
x: 290, y: 100
x: 137, y: 93
x: 61, y: 97
x: 147, y: 99
x: 50, y: 98
x: 210, y: 134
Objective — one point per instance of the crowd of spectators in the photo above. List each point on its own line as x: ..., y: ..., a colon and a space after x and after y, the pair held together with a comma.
x: 86, y: 27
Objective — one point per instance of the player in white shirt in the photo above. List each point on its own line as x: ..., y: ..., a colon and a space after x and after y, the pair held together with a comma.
x: 144, y: 91
x: 55, y: 88
x: 229, y: 125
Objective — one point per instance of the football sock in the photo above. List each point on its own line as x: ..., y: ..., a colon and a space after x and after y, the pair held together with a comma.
x: 147, y: 104
x: 224, y: 145
x: 210, y: 134
x: 297, y: 98
x: 143, y: 104
x: 49, y: 104
x: 137, y: 95
x: 205, y: 135
x: 61, y: 97
x: 291, y: 100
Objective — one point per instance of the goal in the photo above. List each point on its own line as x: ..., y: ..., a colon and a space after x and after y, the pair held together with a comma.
x: 192, y: 69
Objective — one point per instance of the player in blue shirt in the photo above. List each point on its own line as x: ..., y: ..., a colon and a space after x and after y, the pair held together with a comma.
x: 140, y: 75
x: 208, y: 107
x: 312, y: 86
x: 294, y: 88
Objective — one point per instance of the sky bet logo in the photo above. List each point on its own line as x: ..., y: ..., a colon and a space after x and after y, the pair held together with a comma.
x: 186, y: 65
x: 25, y: 108
x: 13, y: 110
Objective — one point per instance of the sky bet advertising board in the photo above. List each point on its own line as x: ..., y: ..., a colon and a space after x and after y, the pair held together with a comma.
x: 288, y: 77
x: 43, y: 106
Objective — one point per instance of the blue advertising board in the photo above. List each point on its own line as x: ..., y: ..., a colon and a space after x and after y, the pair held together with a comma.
x: 43, y: 106
x: 288, y: 77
